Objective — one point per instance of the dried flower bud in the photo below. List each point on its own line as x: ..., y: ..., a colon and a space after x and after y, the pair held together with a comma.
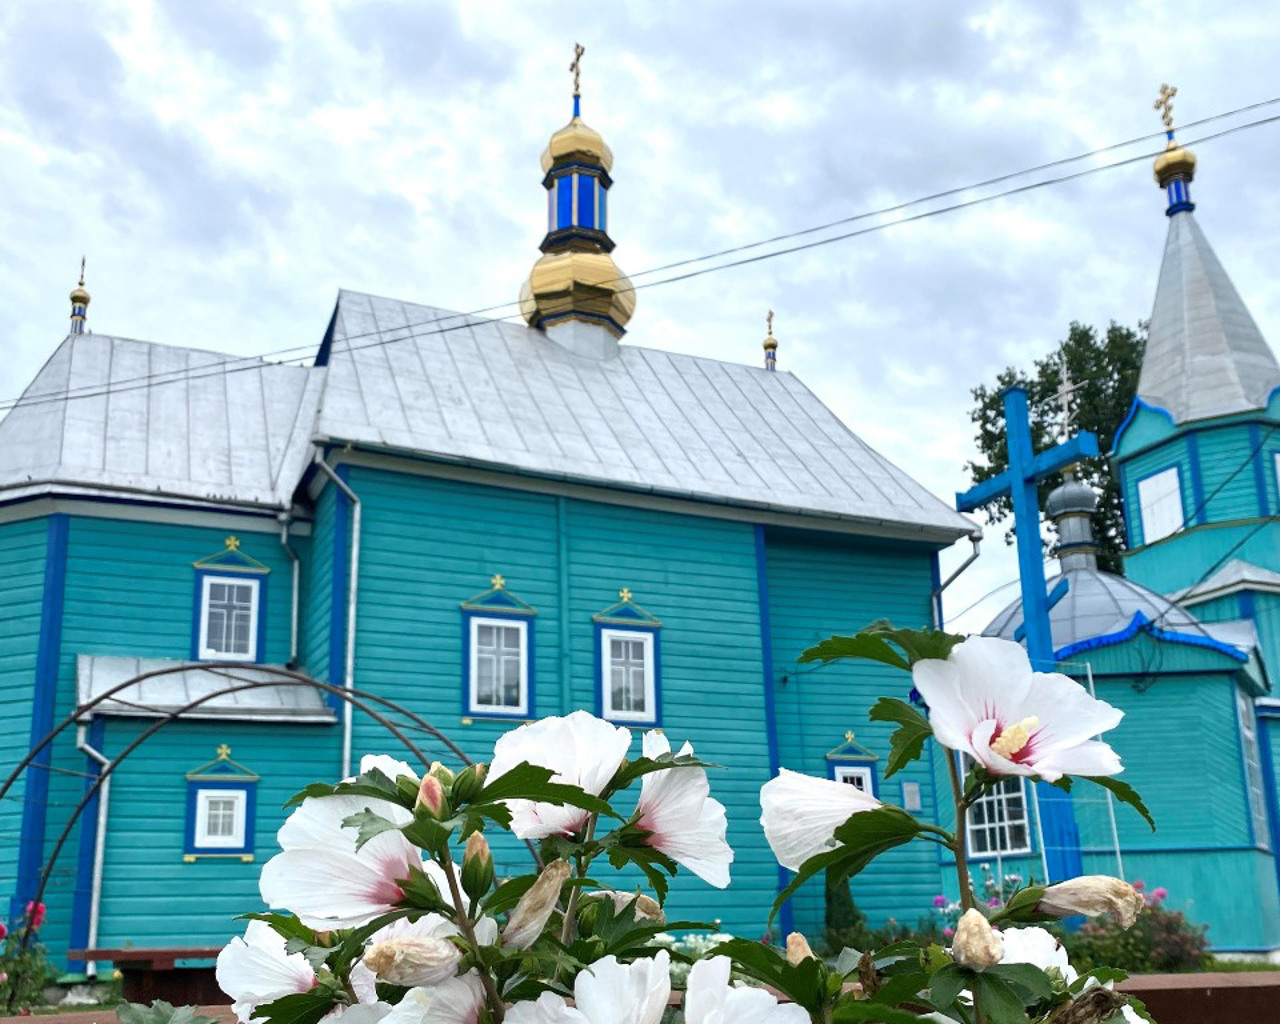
x: 477, y: 866
x: 646, y: 908
x: 798, y: 949
x: 469, y: 782
x: 431, y: 796
x: 535, y: 906
x: 439, y: 771
x: 413, y: 960
x: 976, y: 944
x: 1093, y: 895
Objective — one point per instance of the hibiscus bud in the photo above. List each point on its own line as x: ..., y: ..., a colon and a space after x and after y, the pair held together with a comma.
x: 431, y: 796
x: 467, y: 785
x: 976, y: 944
x: 798, y: 949
x: 1093, y: 895
x: 439, y: 771
x: 534, y: 909
x: 644, y: 908
x: 413, y: 960
x: 477, y: 866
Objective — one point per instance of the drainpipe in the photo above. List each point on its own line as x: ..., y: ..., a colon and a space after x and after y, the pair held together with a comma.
x: 99, y: 844
x: 935, y: 599
x: 349, y: 670
x: 284, y: 518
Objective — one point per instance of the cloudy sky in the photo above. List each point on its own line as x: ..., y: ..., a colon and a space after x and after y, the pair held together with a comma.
x: 228, y: 166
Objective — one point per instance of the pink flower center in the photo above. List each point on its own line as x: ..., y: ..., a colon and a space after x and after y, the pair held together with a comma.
x: 1013, y: 743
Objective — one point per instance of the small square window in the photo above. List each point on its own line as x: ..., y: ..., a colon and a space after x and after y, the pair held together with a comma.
x: 629, y: 673
x: 228, y: 619
x: 219, y: 819
x: 859, y: 776
x: 1160, y: 498
x: 998, y: 822
x: 498, y: 677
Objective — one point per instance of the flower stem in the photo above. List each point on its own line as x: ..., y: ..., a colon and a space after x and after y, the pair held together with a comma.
x: 571, y: 910
x: 958, y: 842
x: 496, y: 1004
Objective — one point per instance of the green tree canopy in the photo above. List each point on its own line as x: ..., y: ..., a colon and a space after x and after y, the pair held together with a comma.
x: 1104, y: 378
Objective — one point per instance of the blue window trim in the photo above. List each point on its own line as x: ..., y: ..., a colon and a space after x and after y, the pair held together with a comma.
x: 250, y: 790
x: 197, y: 613
x: 530, y: 661
x: 616, y: 627
x: 1182, y: 502
x: 855, y: 762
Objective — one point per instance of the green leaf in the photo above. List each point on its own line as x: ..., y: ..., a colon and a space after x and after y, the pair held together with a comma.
x: 803, y: 983
x: 297, y: 1008
x: 160, y: 1012
x: 533, y: 782
x: 854, y: 1010
x: 1104, y: 976
x: 648, y: 860
x: 862, y: 838
x: 861, y: 645
x: 367, y: 825
x: 629, y: 771
x: 372, y: 783
x: 876, y: 642
x: 284, y: 924
x: 420, y: 892
x: 1033, y: 982
x: 947, y: 983
x: 907, y: 742
x: 1123, y: 792
x: 507, y: 895
x: 902, y: 988
x: 1021, y: 907
x: 998, y: 1000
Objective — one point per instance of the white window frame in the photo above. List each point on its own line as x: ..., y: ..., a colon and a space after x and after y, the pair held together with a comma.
x: 473, y: 654
x: 1160, y: 517
x: 201, y: 839
x: 645, y: 637
x: 847, y: 772
x: 1276, y: 459
x: 999, y: 798
x: 1251, y: 755
x: 205, y: 652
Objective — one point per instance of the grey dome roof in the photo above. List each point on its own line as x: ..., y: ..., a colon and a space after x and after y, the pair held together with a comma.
x: 1071, y: 496
x: 1101, y: 608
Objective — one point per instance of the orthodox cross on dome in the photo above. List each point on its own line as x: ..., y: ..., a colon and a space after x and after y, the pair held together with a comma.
x: 1065, y: 390
x: 770, y: 345
x: 82, y: 260
x: 1018, y: 482
x: 576, y: 68
x: 1165, y: 105
x: 769, y: 321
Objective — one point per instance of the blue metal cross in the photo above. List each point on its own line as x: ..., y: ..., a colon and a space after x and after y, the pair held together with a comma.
x: 1026, y: 468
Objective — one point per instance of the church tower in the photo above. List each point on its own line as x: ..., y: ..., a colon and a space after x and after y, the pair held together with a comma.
x: 79, y: 304
x: 576, y: 293
x: 1198, y: 457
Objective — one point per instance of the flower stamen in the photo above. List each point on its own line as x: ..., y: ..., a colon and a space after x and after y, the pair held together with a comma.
x: 1014, y: 739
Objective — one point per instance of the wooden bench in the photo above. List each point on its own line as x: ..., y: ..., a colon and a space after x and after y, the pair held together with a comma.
x: 149, y: 974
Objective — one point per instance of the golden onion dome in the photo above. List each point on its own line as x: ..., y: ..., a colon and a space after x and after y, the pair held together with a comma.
x: 79, y: 295
x: 562, y: 284
x: 770, y: 343
x: 577, y: 139
x: 1174, y: 162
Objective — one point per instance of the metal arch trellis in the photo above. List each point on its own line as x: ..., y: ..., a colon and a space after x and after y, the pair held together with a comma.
x: 358, y: 699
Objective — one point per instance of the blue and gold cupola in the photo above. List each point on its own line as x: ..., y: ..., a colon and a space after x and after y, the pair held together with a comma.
x: 1175, y: 168
x: 575, y: 291
x: 79, y: 304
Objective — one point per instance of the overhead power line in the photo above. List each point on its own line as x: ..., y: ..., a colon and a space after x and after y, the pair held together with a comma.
x: 405, y: 332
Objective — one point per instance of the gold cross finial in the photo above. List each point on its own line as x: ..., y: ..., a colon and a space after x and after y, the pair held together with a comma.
x: 1165, y: 104
x: 81, y: 271
x: 233, y: 543
x: 769, y: 320
x: 498, y: 581
x: 848, y: 736
x: 224, y: 752
x: 624, y: 594
x: 576, y: 66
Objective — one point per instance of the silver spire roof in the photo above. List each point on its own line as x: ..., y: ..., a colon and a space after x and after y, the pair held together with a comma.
x: 1205, y: 355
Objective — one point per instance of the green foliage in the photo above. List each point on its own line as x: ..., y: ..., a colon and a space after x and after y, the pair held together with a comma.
x: 1161, y: 940
x: 160, y: 1012
x: 1122, y: 791
x: 26, y: 969
x: 907, y: 742
x: 876, y: 642
x: 1105, y: 372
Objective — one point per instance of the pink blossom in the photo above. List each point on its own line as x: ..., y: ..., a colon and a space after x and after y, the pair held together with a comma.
x: 1159, y: 893
x: 35, y: 911
x: 3, y: 932
x: 939, y: 900
x: 1139, y: 885
x: 948, y: 932
x: 994, y: 901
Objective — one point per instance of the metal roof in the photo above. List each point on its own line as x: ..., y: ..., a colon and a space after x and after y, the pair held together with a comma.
x: 159, y: 695
x: 1236, y: 575
x: 114, y: 414
x: 502, y: 395
x: 1205, y: 355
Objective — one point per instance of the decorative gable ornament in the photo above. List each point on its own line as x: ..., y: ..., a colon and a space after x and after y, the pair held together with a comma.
x: 222, y: 769
x: 626, y: 613
x: 852, y: 750
x: 232, y: 559
x: 498, y: 599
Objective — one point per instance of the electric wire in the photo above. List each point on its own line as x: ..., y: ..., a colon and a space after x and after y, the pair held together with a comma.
x: 410, y: 331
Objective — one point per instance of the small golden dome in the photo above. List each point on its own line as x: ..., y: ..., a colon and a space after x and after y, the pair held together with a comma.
x: 770, y: 344
x: 562, y: 284
x: 79, y: 295
x: 577, y: 138
x: 1175, y: 162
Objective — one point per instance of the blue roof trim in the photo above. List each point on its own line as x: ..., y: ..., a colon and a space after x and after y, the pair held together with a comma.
x: 1138, y: 403
x: 1141, y: 622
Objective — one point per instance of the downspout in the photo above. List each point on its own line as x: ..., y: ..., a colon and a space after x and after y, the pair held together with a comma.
x: 935, y: 599
x: 99, y: 844
x: 285, y: 518
x: 353, y: 582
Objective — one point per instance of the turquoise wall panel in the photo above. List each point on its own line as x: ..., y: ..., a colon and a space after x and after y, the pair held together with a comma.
x: 317, y: 588
x: 1184, y: 560
x: 1227, y: 472
x: 1172, y: 454
x: 819, y: 587
x: 1146, y: 427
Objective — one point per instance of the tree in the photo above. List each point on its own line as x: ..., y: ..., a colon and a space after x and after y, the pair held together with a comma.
x: 1104, y: 377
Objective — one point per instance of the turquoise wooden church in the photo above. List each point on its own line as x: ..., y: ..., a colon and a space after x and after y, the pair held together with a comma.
x: 486, y: 522
x: 1185, y: 641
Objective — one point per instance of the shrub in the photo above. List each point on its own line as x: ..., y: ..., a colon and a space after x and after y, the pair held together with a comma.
x: 847, y: 926
x: 1161, y: 940
x: 24, y: 973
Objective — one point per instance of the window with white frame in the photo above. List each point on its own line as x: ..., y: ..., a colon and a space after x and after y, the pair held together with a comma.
x: 629, y: 675
x: 856, y: 775
x: 229, y: 618
x: 220, y: 818
x: 1160, y: 498
x: 1252, y: 765
x: 998, y: 822
x: 499, y: 666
